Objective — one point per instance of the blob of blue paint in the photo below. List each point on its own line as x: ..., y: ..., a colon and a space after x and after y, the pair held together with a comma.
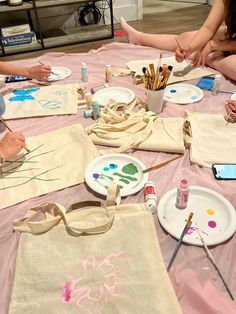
x: 113, y: 166
x: 106, y: 169
x: 173, y: 91
x: 194, y: 97
x: 96, y: 175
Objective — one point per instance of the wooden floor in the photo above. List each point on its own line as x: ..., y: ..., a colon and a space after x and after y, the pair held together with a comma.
x: 176, y: 22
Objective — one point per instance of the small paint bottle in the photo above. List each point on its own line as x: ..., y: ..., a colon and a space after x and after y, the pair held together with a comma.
x: 150, y: 195
x: 96, y: 88
x: 96, y: 109
x: 89, y: 99
x: 84, y: 73
x: 88, y: 113
x: 182, y: 194
x: 108, y: 74
x: 2, y: 105
x: 216, y: 86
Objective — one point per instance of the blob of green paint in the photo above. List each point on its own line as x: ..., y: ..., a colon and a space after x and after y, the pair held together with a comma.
x: 106, y: 169
x: 130, y: 169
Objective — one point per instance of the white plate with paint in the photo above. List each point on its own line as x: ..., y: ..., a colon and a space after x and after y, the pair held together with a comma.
x: 119, y: 94
x: 59, y: 73
x: 213, y: 216
x: 183, y: 93
x: 122, y: 169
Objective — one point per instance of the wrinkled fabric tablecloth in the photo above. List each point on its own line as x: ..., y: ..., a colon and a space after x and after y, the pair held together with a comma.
x: 197, y: 285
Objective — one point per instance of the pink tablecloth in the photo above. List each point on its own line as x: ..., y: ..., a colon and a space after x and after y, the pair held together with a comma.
x: 197, y: 285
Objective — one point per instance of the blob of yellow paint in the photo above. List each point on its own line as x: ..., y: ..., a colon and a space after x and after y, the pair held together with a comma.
x: 210, y: 211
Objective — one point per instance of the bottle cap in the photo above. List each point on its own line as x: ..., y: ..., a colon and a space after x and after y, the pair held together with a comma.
x: 108, y: 65
x: 184, y: 183
x: 83, y: 65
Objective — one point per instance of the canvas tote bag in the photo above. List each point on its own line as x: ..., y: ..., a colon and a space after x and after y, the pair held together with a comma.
x: 103, y: 259
x: 137, y: 128
x: 209, y: 139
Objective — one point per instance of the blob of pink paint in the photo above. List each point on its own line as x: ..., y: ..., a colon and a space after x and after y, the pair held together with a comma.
x: 212, y: 224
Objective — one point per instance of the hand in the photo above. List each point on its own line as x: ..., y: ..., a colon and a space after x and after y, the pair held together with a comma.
x: 201, y: 57
x: 40, y: 72
x: 11, y: 145
x: 230, y: 108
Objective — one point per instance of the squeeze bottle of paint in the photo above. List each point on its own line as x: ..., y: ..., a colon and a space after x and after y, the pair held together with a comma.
x: 89, y: 99
x: 96, y: 88
x: 108, y: 74
x: 96, y: 109
x: 150, y: 195
x: 182, y: 194
x: 216, y: 86
x: 2, y: 105
x: 84, y: 74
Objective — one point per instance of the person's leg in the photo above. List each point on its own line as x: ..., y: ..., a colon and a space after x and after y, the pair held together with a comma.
x: 225, y: 65
x: 159, y: 41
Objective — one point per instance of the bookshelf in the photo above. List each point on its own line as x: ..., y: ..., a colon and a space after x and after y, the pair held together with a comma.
x: 57, y: 38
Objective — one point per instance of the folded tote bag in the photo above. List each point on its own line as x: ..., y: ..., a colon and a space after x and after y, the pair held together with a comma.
x: 102, y: 259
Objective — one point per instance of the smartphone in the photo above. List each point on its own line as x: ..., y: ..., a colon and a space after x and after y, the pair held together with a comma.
x: 224, y: 171
x: 16, y: 78
x: 206, y: 82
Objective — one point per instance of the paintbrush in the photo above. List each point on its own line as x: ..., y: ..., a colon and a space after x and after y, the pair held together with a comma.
x: 181, y: 50
x: 158, y: 71
x: 10, y: 130
x: 50, y: 71
x: 160, y: 164
x: 211, y: 258
x: 187, y: 225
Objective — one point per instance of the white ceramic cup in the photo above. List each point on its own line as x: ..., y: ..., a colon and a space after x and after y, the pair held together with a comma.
x: 155, y: 99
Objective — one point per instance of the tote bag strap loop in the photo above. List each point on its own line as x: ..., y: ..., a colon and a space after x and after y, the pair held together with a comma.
x: 97, y: 218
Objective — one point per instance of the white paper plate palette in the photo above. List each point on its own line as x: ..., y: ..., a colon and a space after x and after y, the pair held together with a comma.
x: 183, y: 93
x: 123, y: 169
x: 214, y: 216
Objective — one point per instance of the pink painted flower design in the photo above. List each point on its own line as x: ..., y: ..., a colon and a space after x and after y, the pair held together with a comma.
x: 99, y: 281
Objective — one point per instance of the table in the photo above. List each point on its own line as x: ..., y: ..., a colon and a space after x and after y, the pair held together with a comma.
x: 196, y: 283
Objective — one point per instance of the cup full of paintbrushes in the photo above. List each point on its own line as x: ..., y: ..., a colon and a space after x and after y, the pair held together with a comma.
x: 155, y: 82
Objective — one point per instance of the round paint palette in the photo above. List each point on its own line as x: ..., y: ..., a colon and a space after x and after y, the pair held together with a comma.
x: 122, y: 169
x: 59, y: 73
x: 213, y: 216
x: 119, y: 94
x: 183, y: 93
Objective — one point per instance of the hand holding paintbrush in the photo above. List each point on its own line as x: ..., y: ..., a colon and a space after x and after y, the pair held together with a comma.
x: 231, y: 111
x: 21, y: 140
x: 181, y: 50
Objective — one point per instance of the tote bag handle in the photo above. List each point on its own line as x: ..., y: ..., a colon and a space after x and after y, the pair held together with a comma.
x: 96, y: 218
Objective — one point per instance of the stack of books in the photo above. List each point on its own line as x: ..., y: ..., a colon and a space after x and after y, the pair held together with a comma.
x: 17, y: 38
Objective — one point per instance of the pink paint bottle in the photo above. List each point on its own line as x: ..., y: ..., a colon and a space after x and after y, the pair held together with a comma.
x: 182, y: 194
x: 150, y: 195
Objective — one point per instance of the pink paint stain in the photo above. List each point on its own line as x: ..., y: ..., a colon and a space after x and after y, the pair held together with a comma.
x: 212, y: 224
x: 107, y: 269
x: 192, y: 229
x: 66, y: 295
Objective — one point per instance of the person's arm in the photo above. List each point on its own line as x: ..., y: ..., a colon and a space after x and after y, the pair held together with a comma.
x: 11, y: 145
x: 205, y: 33
x: 38, y: 72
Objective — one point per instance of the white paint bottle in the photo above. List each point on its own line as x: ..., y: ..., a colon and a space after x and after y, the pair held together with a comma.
x: 182, y: 194
x: 216, y: 86
x: 84, y: 73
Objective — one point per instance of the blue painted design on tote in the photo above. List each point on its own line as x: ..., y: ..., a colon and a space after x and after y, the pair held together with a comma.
x: 50, y: 104
x: 23, y: 94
